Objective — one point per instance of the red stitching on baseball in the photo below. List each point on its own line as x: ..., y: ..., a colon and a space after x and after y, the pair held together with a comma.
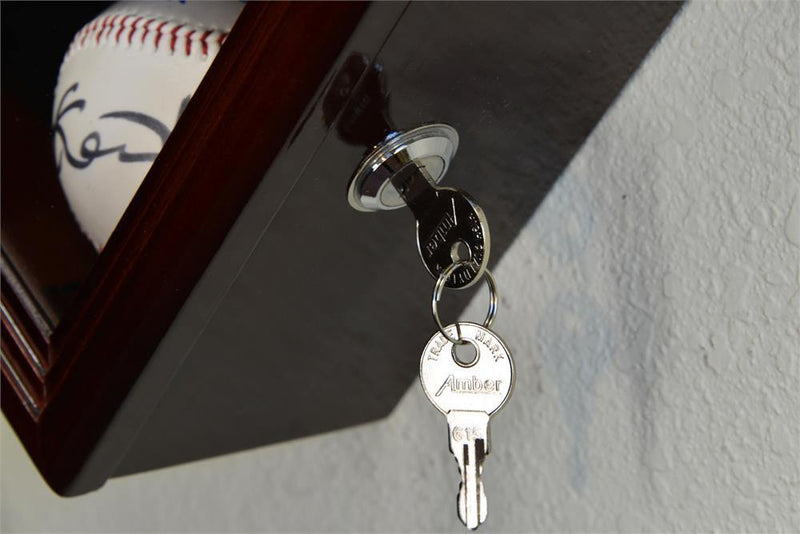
x: 158, y: 32
x: 121, y: 27
x: 133, y: 29
x: 188, y: 39
x: 147, y: 29
x: 94, y: 27
x: 89, y: 30
x: 204, y: 42
x: 174, y: 37
x: 99, y: 33
x: 112, y: 29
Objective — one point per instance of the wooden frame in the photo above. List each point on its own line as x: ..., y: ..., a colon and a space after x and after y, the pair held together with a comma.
x: 60, y: 389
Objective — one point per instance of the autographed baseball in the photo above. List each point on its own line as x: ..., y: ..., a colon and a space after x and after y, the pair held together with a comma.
x: 124, y: 81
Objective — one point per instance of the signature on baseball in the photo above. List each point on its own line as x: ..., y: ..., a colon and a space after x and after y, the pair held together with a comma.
x: 92, y: 147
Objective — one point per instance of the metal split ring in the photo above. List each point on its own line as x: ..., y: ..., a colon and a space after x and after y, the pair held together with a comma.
x: 437, y: 295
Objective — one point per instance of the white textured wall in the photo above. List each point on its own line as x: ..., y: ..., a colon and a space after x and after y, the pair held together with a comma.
x: 653, y: 306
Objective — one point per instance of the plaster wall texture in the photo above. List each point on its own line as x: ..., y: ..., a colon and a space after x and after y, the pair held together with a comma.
x: 653, y: 306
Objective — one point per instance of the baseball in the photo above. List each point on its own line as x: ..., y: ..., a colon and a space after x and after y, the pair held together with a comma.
x: 124, y: 81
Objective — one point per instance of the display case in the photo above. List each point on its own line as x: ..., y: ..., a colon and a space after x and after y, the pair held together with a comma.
x: 241, y: 300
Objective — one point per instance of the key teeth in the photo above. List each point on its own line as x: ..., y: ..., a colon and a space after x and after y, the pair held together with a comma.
x: 462, y: 506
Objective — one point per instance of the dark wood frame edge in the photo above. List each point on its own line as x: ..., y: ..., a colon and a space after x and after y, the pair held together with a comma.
x: 219, y: 151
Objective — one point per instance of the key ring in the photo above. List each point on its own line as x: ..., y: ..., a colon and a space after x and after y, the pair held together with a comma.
x: 437, y: 295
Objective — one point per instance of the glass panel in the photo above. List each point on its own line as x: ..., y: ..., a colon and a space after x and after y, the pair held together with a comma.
x: 40, y: 236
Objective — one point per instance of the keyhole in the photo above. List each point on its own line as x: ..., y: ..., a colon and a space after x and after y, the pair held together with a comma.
x: 465, y: 354
x: 460, y: 251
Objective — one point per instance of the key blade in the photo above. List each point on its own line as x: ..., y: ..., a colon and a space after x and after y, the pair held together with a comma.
x: 472, y: 511
x: 468, y: 443
x: 416, y: 188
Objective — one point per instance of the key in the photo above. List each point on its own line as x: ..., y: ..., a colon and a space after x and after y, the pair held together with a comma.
x: 450, y: 226
x: 468, y: 393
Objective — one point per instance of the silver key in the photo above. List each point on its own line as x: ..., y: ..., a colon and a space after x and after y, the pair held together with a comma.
x: 446, y: 219
x: 468, y: 394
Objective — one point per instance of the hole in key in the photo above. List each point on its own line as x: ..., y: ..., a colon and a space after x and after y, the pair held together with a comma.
x: 465, y: 354
x: 460, y: 251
